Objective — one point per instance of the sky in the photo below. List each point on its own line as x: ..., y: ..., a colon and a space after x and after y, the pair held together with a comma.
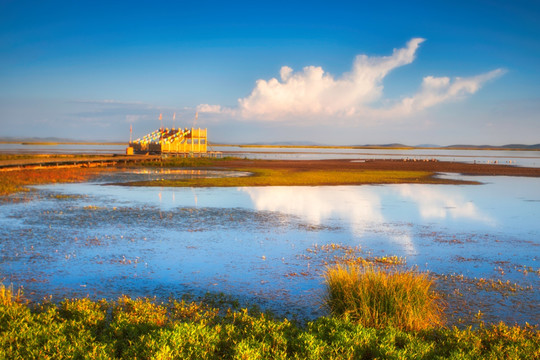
x: 324, y: 72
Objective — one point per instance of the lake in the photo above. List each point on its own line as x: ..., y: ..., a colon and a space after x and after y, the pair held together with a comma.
x: 270, y: 245
x: 514, y: 157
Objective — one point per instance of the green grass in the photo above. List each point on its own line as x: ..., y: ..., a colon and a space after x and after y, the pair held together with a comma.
x: 288, y: 177
x: 170, y: 162
x: 381, y: 298
x: 147, y: 329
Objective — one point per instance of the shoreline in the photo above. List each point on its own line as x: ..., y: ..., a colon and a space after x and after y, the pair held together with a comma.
x: 273, y: 172
x: 335, y: 173
x: 384, y: 165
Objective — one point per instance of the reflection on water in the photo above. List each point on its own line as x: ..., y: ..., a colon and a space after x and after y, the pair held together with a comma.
x: 435, y: 203
x: 360, y: 207
x: 102, y: 241
x: 151, y: 174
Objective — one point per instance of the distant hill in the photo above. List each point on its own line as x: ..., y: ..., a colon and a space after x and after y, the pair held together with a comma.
x: 521, y: 146
x: 287, y: 143
x: 8, y: 139
x: 392, y: 145
x: 427, y: 146
x: 35, y: 139
x: 493, y: 147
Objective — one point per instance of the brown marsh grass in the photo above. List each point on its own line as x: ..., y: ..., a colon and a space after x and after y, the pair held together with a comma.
x: 381, y: 298
x: 14, y: 181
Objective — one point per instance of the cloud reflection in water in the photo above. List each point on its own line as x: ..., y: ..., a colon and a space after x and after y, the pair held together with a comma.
x: 362, y: 207
x: 442, y: 203
x: 359, y: 206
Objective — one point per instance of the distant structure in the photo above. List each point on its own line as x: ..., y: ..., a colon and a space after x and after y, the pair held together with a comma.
x: 187, y: 142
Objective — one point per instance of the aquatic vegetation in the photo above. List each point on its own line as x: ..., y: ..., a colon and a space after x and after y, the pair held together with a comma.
x: 65, y: 197
x: 144, y: 328
x: 377, y: 298
x: 504, y: 288
x: 466, y: 297
x: 94, y: 207
x: 528, y: 270
x: 349, y: 255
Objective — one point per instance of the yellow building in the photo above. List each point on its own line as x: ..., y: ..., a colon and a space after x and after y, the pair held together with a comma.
x: 183, y: 142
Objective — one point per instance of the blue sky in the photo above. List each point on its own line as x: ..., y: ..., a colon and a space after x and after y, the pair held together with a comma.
x: 336, y: 72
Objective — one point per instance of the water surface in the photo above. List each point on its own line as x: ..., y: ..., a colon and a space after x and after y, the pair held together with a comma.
x: 509, y: 157
x: 265, y: 244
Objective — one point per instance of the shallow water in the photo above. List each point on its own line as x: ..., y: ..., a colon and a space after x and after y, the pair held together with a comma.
x: 40, y: 148
x: 264, y: 244
x: 507, y: 157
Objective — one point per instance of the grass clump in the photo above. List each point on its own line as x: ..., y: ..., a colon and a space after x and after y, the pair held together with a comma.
x: 377, y: 298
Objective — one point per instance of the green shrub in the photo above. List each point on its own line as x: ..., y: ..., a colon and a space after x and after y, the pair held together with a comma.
x: 145, y: 329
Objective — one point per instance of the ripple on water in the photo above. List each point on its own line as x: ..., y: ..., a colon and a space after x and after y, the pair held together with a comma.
x: 258, y: 243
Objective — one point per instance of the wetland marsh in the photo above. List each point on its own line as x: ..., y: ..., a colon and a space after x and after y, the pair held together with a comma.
x: 270, y: 245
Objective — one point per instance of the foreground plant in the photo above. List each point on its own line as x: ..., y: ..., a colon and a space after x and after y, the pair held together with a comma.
x: 381, y: 298
x: 147, y: 329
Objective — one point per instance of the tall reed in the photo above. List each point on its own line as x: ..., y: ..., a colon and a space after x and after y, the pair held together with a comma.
x: 379, y: 298
x: 8, y: 296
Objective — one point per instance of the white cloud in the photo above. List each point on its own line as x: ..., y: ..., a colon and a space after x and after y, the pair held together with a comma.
x: 215, y: 109
x: 206, y: 108
x: 312, y: 93
x: 437, y: 90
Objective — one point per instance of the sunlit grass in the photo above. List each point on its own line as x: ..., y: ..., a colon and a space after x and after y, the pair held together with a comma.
x: 291, y: 177
x: 148, y: 329
x: 8, y: 296
x: 380, y: 298
x: 14, y: 181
